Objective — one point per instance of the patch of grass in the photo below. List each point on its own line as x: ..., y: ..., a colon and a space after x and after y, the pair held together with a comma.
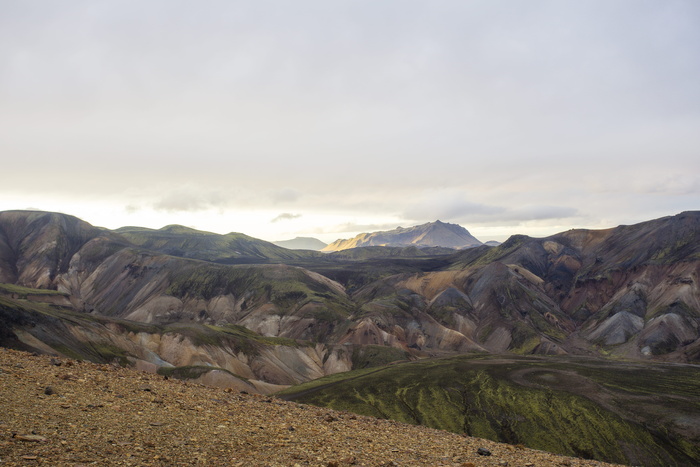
x: 483, y: 397
x: 368, y: 356
x: 22, y: 292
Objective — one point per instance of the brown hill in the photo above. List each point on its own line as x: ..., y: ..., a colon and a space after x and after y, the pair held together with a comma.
x: 67, y: 413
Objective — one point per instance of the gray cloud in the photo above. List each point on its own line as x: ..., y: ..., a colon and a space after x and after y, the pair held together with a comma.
x: 189, y: 200
x: 285, y: 216
x: 285, y: 195
x: 498, y: 113
x: 351, y: 227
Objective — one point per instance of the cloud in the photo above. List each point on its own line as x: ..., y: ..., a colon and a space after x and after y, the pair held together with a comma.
x: 189, y: 200
x: 451, y: 208
x: 351, y: 227
x: 286, y: 216
x: 537, y: 213
x: 285, y: 195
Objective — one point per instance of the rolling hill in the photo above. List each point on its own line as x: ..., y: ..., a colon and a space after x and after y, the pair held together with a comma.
x: 237, y: 311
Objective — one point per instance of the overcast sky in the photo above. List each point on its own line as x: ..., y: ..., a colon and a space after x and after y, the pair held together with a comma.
x: 328, y: 118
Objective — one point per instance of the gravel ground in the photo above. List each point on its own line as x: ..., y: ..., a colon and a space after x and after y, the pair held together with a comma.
x: 61, y: 412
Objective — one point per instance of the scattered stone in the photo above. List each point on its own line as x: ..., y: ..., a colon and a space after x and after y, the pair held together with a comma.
x: 30, y: 438
x: 55, y: 362
x: 48, y: 390
x: 483, y: 452
x: 145, y: 387
x: 129, y: 429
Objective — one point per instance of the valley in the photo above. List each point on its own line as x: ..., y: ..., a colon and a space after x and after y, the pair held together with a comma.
x: 524, y: 331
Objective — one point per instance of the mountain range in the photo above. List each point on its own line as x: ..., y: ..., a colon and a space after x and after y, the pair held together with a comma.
x: 239, y: 312
x: 631, y: 290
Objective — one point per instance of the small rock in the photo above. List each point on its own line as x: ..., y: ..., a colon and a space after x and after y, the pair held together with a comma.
x: 48, y: 390
x: 329, y: 418
x: 31, y: 438
x: 145, y: 387
x: 503, y: 463
x: 55, y: 362
x: 332, y: 464
x: 483, y: 452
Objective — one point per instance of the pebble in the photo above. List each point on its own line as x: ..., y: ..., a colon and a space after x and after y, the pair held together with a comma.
x: 197, y: 425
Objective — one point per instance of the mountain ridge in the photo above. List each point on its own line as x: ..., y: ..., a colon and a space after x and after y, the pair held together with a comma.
x: 302, y: 243
x: 431, y: 234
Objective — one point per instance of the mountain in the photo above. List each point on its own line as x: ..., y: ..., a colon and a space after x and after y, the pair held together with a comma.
x: 432, y: 234
x: 302, y: 243
x: 231, y: 248
x: 239, y: 312
x: 630, y: 291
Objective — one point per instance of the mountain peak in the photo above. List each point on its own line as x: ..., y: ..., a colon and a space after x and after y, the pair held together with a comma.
x: 430, y: 234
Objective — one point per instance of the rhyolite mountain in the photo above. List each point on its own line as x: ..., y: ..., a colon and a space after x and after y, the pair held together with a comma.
x: 235, y: 311
x: 177, y: 240
x: 432, y: 234
x: 302, y: 243
x: 169, y: 297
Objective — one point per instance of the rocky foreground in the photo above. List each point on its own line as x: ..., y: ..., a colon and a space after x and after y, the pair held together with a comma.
x: 69, y: 413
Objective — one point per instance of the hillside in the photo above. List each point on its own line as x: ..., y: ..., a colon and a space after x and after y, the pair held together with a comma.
x: 432, y: 234
x: 73, y: 290
x: 232, y: 248
x: 629, y: 291
x: 607, y: 410
x: 83, y: 413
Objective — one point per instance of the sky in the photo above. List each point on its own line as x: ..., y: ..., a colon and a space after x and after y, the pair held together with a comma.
x: 326, y: 118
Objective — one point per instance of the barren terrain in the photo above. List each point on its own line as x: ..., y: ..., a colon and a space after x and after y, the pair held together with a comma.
x: 70, y: 413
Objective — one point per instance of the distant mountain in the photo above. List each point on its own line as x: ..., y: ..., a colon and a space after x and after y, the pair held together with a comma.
x: 231, y: 248
x: 302, y: 243
x: 492, y: 243
x: 432, y: 234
